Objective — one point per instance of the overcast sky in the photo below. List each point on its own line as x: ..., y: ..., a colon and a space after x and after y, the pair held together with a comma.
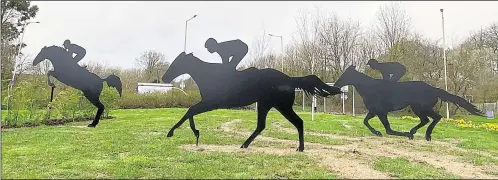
x: 115, y: 33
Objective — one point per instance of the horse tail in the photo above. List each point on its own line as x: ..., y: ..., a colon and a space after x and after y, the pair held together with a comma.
x: 313, y: 85
x: 115, y: 82
x: 457, y: 100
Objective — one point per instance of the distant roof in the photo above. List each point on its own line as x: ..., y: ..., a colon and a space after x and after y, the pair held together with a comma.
x: 155, y: 84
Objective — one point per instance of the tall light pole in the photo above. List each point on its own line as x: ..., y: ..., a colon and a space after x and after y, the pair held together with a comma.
x: 313, y: 99
x: 19, y: 50
x: 11, y: 82
x: 444, y: 59
x: 186, y: 22
x: 282, y: 49
x: 185, y: 42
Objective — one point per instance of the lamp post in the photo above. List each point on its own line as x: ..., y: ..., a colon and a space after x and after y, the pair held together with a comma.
x: 185, y: 42
x: 11, y: 82
x: 186, y: 23
x: 313, y: 99
x: 282, y: 49
x: 444, y: 59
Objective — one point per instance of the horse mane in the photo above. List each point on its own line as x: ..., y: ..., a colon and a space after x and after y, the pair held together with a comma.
x: 57, y: 50
x: 191, y: 55
x: 54, y: 46
x: 361, y: 74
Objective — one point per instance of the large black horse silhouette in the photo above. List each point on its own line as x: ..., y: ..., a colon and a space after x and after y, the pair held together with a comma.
x: 67, y: 71
x: 383, y: 96
x: 221, y: 89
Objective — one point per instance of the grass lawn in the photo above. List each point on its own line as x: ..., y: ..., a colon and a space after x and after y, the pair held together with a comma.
x: 134, y: 145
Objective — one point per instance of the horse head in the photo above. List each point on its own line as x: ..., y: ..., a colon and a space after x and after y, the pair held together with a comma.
x: 181, y: 65
x: 42, y: 55
x: 52, y: 53
x: 347, y: 78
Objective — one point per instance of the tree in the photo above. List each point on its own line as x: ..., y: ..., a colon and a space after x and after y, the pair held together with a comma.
x: 339, y: 41
x: 13, y: 15
x: 153, y: 64
x: 393, y: 25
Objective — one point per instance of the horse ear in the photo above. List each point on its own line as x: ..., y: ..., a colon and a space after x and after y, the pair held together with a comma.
x: 190, y: 54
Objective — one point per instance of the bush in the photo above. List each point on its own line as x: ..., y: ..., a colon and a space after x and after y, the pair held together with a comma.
x: 25, y: 102
x: 172, y: 99
x: 30, y: 105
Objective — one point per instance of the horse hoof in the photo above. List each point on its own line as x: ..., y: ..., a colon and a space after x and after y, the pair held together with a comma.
x: 428, y: 138
x: 91, y: 125
x: 300, y: 149
x: 170, y: 134
x: 377, y: 133
x: 410, y: 137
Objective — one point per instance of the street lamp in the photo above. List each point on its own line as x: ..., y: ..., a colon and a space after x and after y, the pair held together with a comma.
x: 11, y: 82
x: 19, y: 50
x: 282, y: 49
x: 186, y: 22
x: 185, y: 42
x: 444, y: 59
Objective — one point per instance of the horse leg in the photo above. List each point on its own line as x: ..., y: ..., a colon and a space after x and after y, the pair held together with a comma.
x: 290, y: 115
x: 387, y: 126
x: 192, y: 111
x: 196, y: 132
x: 435, y: 119
x: 95, y: 100
x: 263, y: 109
x: 51, y: 73
x: 423, y: 120
x: 369, y: 116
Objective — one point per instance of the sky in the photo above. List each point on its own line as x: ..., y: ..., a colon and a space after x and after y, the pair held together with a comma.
x: 115, y: 33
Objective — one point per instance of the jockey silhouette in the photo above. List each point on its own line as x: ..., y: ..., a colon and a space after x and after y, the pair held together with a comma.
x: 73, y: 48
x: 234, y: 48
x: 396, y: 69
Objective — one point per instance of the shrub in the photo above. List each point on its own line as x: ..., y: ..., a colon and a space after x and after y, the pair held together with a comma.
x: 172, y: 99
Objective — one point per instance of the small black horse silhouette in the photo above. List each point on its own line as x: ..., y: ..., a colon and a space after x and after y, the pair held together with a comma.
x: 221, y: 89
x: 383, y: 96
x: 70, y: 73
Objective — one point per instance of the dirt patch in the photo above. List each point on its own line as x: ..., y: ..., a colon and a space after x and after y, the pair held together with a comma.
x: 123, y: 154
x: 347, y: 164
x: 353, y: 160
x: 149, y: 133
x: 395, y: 147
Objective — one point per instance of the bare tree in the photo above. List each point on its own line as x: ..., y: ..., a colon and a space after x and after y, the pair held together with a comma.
x: 152, y: 63
x: 393, y: 25
x: 492, y: 37
x: 260, y: 47
x: 368, y: 48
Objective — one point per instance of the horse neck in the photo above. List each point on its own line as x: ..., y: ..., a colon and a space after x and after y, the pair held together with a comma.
x: 361, y: 81
x: 196, y: 71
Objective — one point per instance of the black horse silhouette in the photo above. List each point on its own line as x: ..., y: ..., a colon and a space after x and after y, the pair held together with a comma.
x: 67, y: 71
x: 383, y: 96
x: 221, y: 89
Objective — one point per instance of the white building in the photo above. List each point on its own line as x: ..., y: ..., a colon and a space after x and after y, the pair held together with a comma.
x: 153, y: 87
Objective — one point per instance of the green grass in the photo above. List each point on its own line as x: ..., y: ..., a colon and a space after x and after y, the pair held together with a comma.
x: 134, y: 145
x: 402, y: 168
x: 121, y: 149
